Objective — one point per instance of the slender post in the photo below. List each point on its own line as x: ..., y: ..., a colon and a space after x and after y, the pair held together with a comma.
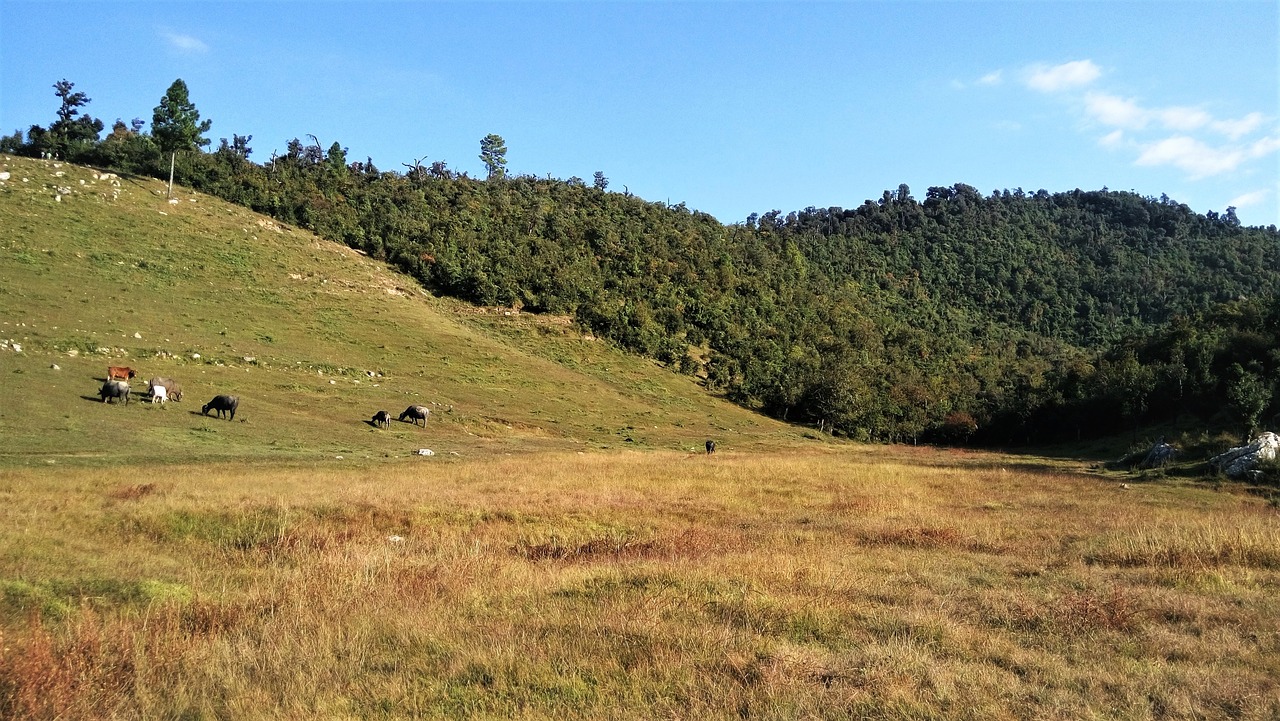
x: 172, y: 156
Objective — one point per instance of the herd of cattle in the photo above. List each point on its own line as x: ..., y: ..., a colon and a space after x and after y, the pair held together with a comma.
x: 164, y: 389
x: 116, y: 387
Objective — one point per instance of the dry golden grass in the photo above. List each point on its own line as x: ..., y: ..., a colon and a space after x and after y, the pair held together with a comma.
x: 865, y: 583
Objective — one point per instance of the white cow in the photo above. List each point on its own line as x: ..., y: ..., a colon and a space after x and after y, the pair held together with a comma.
x: 159, y: 394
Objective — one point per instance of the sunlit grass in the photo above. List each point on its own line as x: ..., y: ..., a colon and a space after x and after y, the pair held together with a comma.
x: 870, y: 583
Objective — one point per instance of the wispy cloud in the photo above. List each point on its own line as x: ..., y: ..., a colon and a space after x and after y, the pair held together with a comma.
x: 1067, y: 76
x: 184, y: 43
x: 1235, y: 129
x: 991, y: 79
x: 1201, y: 160
x: 1113, y: 139
x: 1127, y: 113
x: 994, y: 78
x: 1115, y: 111
x: 1256, y: 197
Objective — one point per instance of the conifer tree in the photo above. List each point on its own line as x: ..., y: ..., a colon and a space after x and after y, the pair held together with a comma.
x: 176, y: 125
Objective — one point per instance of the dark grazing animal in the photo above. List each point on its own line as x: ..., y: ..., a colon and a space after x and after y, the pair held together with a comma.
x: 416, y: 413
x: 711, y: 446
x: 382, y: 419
x: 171, y: 387
x: 221, y: 404
x: 123, y: 373
x: 115, y: 389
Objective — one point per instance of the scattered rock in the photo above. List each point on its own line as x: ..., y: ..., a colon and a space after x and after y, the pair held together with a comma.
x: 1243, y: 461
x: 426, y: 452
x: 396, y: 540
x: 137, y: 335
x: 55, y: 367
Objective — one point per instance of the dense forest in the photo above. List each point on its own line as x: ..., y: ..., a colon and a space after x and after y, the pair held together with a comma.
x: 1008, y: 317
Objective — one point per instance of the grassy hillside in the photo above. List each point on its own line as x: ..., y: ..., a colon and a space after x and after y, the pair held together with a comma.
x: 105, y: 271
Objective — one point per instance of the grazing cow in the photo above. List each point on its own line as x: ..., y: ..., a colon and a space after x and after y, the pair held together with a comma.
x: 115, y: 389
x: 159, y: 395
x: 416, y: 413
x: 172, y: 389
x: 221, y: 404
x: 711, y: 446
x: 382, y: 419
x: 123, y: 373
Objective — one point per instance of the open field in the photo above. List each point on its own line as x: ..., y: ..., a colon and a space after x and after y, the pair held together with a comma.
x: 867, y: 583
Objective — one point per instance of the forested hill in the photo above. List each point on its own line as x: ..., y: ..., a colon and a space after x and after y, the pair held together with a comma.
x: 1008, y: 316
x: 1085, y: 267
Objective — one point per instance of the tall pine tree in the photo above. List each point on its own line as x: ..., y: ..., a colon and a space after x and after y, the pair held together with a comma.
x: 176, y: 125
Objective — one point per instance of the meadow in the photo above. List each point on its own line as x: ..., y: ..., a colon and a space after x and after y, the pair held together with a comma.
x: 846, y: 583
x: 568, y: 551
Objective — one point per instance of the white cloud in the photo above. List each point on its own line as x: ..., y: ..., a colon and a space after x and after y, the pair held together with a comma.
x: 1183, y: 118
x: 1264, y: 147
x: 1115, y: 111
x: 1201, y: 160
x: 1126, y: 113
x: 1055, y: 78
x: 1236, y: 129
x: 185, y: 43
x: 993, y: 78
x: 1256, y: 197
x: 1187, y: 138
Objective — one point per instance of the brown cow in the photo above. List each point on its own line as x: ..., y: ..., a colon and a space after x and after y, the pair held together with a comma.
x: 122, y: 373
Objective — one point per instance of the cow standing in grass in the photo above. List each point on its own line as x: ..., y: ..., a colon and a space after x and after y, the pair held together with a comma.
x: 382, y: 419
x: 221, y: 404
x: 415, y: 414
x: 115, y: 389
x: 711, y: 447
x: 171, y: 387
x: 122, y: 373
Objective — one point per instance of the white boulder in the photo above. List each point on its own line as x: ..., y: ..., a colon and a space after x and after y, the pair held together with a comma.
x: 1242, y: 462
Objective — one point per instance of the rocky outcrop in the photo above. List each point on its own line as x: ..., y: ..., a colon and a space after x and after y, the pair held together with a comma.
x: 1160, y: 455
x: 1242, y: 462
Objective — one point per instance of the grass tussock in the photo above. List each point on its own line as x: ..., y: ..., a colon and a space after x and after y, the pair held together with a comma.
x: 873, y: 583
x: 1248, y: 543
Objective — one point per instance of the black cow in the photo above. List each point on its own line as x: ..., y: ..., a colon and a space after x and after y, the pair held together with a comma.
x: 221, y: 404
x: 416, y: 413
x: 382, y: 419
x: 115, y: 389
x: 711, y: 446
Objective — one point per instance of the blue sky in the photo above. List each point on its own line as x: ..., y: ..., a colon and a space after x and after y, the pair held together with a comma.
x: 729, y: 107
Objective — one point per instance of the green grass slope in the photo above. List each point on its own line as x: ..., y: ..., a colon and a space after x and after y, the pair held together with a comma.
x: 314, y: 338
